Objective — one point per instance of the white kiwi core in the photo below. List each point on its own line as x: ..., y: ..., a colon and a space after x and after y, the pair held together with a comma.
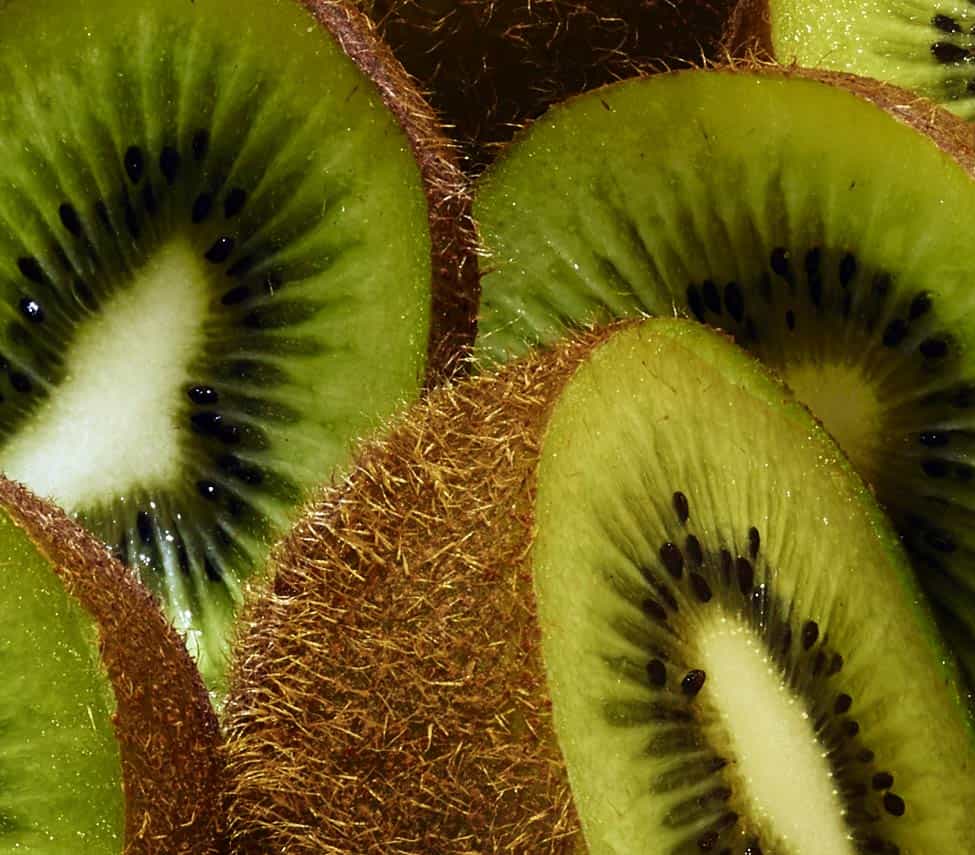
x: 114, y: 421
x: 781, y: 763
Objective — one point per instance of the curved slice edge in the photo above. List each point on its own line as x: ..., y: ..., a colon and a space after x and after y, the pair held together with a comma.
x: 165, y: 723
x: 456, y: 279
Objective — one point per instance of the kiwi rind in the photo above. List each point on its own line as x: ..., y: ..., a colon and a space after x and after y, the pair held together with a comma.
x: 169, y: 739
x: 388, y: 692
x: 454, y: 263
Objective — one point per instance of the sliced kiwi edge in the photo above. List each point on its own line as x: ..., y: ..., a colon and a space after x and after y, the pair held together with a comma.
x: 453, y: 255
x: 341, y: 567
x: 168, y: 735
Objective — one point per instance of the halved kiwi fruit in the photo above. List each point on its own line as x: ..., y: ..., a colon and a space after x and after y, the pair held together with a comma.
x: 841, y: 257
x: 489, y: 66
x: 108, y: 742
x: 627, y: 584
x: 232, y: 241
x: 927, y: 46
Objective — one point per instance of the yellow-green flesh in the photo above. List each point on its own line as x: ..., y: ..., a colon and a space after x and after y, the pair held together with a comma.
x: 923, y: 45
x: 669, y: 407
x: 60, y: 772
x: 831, y: 239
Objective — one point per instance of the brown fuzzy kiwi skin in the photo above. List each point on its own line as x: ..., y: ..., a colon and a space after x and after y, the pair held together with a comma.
x: 490, y: 66
x: 748, y: 31
x: 388, y: 694
x: 169, y: 741
x: 454, y: 264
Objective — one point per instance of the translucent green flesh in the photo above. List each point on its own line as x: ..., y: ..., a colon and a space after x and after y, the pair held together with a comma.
x: 300, y: 307
x: 60, y: 773
x: 842, y: 259
x: 667, y: 408
x: 924, y: 45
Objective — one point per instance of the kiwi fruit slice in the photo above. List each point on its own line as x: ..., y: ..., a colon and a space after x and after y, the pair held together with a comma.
x: 233, y: 240
x: 628, y: 585
x: 108, y: 742
x: 927, y: 46
x: 715, y: 194
x: 488, y: 66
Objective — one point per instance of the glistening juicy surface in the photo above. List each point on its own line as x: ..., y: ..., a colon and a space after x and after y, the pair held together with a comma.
x: 839, y: 255
x: 923, y: 45
x: 692, y: 517
x: 214, y: 273
x: 59, y: 760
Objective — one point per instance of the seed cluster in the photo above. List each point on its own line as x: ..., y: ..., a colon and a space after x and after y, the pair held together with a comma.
x: 227, y: 409
x: 692, y: 576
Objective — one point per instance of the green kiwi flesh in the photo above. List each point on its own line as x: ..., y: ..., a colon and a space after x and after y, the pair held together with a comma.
x: 216, y: 270
x: 626, y: 584
x: 926, y: 46
x: 108, y: 741
x: 841, y: 259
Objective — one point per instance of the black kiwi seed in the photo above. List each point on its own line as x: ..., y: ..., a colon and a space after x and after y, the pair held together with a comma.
x: 712, y: 299
x: 865, y: 756
x: 701, y: 588
x: 236, y: 295
x: 201, y: 142
x: 946, y: 24
x: 202, y: 206
x: 693, y: 682
x: 882, y: 781
x: 851, y: 728
x: 895, y: 332
x: 894, y: 804
x: 169, y: 163
x: 134, y: 163
x: 790, y: 319
x: 657, y: 672
x: 21, y: 382
x: 654, y: 610
x: 208, y: 490
x: 934, y: 468
x: 222, y: 247
x: 843, y: 704
x: 934, y: 348
x: 143, y: 524
x: 31, y: 269
x: 746, y: 575
x: 681, y: 507
x: 735, y: 301
x: 202, y: 395
x: 920, y: 306
x: 848, y: 269
x: 836, y: 665
x: 69, y: 218
x: 948, y: 53
x: 754, y: 541
x: 695, y: 303
x: 934, y: 439
x: 753, y: 848
x: 810, y: 634
x: 672, y: 559
x: 101, y: 211
x: 694, y: 552
x: 234, y: 203
x: 779, y: 261
x: 31, y: 310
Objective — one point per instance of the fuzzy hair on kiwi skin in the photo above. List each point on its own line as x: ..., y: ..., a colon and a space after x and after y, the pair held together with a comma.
x: 465, y: 760
x: 453, y: 256
x: 169, y: 740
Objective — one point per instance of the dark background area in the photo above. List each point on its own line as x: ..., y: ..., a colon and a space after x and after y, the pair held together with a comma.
x: 489, y: 66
